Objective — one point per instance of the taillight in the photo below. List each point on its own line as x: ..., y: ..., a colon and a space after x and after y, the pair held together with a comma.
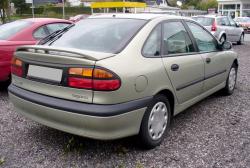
x: 17, y: 67
x: 214, y: 27
x: 98, y: 79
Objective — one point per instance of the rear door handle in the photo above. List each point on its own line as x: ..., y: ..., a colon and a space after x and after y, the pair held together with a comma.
x: 175, y: 67
x: 208, y: 60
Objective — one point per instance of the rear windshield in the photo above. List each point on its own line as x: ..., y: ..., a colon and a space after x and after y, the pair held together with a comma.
x: 10, y: 29
x: 102, y: 35
x: 204, y: 21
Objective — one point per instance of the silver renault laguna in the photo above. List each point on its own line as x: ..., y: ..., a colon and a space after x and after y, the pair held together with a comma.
x: 118, y: 75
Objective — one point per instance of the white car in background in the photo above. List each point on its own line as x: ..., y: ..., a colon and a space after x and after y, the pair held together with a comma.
x: 223, y: 28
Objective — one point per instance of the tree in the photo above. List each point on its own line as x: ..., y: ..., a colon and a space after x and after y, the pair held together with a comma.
x: 200, y: 4
x: 205, y: 5
x: 20, y: 5
x: 4, y: 4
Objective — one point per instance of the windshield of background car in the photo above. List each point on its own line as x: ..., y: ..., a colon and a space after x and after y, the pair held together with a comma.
x: 204, y: 21
x: 10, y: 29
x: 101, y: 35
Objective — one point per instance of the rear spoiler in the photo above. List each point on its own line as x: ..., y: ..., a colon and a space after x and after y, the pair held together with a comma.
x: 70, y: 52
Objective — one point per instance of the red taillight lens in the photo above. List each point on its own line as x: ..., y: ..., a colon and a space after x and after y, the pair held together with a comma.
x: 17, y: 67
x: 93, y: 78
x: 214, y: 27
x: 80, y: 83
x: 106, y: 85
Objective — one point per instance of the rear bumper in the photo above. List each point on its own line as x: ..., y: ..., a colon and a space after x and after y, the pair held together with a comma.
x: 88, y: 120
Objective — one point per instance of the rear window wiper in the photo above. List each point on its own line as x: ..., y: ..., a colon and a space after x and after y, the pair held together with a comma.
x: 55, y: 34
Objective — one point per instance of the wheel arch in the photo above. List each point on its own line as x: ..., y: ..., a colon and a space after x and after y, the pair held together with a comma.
x: 236, y: 62
x: 223, y: 34
x: 169, y: 94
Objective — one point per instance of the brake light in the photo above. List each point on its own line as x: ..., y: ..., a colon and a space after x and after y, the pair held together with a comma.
x: 214, y: 27
x: 17, y: 67
x: 98, y: 79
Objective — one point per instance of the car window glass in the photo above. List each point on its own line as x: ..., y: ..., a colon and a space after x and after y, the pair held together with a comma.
x: 176, y: 39
x: 152, y: 46
x: 10, y: 29
x: 219, y: 21
x: 204, y: 21
x: 225, y: 21
x: 101, y: 35
x: 204, y: 40
x: 40, y: 33
x: 232, y: 22
x: 56, y: 26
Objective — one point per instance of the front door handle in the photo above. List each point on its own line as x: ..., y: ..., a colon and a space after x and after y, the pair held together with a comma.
x: 175, y: 67
x: 208, y: 60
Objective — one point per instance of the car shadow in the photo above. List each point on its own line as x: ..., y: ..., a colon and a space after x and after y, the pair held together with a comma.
x: 4, y: 86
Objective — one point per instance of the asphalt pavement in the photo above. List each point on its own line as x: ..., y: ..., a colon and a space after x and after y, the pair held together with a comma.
x: 213, y: 133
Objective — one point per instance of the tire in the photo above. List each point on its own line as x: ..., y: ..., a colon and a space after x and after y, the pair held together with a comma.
x: 231, y: 80
x: 223, y: 38
x: 241, y: 39
x: 153, y: 130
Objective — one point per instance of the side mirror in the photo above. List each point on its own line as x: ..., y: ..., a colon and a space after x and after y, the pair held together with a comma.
x: 226, y: 45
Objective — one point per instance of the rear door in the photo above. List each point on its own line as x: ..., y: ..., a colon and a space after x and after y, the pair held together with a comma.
x: 228, y: 29
x: 183, y: 64
x: 215, y: 66
x: 236, y: 31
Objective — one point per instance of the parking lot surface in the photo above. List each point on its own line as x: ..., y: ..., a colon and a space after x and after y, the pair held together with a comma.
x: 213, y: 133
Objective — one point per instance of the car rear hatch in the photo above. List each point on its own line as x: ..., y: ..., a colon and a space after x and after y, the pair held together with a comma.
x: 45, y: 70
x: 207, y: 22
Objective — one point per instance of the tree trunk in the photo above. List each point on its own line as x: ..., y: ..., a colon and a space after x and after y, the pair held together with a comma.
x: 3, y: 15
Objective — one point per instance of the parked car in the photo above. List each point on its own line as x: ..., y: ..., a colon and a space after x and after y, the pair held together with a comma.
x: 24, y: 32
x: 77, y: 18
x: 244, y: 22
x: 222, y: 27
x: 113, y: 76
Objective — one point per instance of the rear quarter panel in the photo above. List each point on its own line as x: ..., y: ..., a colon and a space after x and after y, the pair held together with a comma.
x: 140, y: 76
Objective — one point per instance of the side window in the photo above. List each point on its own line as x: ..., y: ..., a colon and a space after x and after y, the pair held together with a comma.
x: 225, y: 21
x: 176, y: 39
x: 219, y: 21
x: 56, y: 26
x: 152, y: 47
x: 40, y: 33
x: 232, y: 22
x: 204, y: 40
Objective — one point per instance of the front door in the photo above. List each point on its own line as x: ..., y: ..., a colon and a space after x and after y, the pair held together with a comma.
x: 183, y: 64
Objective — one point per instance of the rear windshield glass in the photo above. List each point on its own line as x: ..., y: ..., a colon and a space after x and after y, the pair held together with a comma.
x: 10, y: 29
x: 204, y: 21
x: 102, y: 35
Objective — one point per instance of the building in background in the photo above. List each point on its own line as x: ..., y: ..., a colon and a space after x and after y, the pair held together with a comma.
x: 234, y: 8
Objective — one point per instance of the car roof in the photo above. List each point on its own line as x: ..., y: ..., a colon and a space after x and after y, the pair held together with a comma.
x: 210, y: 16
x: 39, y: 20
x: 144, y: 16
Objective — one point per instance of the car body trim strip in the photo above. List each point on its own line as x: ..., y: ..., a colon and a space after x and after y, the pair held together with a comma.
x: 183, y: 86
x: 215, y: 74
